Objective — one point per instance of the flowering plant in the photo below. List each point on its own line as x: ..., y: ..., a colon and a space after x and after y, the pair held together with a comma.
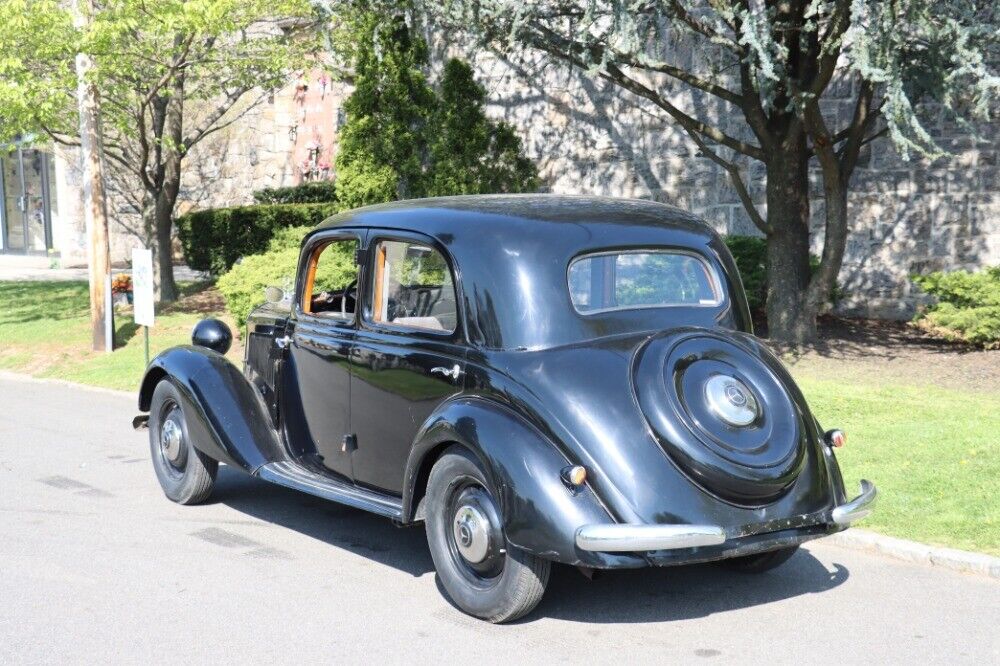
x: 121, y: 284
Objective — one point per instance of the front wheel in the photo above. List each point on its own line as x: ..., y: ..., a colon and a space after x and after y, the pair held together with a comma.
x: 185, y: 473
x: 761, y: 562
x: 480, y: 571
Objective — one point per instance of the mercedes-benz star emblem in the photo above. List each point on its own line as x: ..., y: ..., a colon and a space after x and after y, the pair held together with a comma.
x: 731, y: 400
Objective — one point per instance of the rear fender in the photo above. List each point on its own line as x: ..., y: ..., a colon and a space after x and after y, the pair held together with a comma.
x: 225, y: 416
x: 540, y: 514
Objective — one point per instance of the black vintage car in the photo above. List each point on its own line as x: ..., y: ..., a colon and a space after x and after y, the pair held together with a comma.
x: 537, y: 379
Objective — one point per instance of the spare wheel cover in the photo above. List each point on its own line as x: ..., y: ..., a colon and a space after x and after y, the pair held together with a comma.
x: 720, y: 413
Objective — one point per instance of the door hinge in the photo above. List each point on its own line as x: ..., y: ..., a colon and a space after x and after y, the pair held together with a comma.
x: 360, y: 256
x: 349, y: 444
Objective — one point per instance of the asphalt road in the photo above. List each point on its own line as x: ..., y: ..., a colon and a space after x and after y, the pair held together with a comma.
x: 97, y: 566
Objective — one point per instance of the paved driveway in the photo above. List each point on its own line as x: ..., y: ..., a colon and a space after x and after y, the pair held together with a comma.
x: 97, y: 566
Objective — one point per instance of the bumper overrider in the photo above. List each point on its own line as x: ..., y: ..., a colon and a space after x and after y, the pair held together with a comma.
x: 618, y: 537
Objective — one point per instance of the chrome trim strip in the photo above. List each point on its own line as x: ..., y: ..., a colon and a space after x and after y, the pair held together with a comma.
x: 857, y: 508
x: 616, y: 537
x: 292, y: 475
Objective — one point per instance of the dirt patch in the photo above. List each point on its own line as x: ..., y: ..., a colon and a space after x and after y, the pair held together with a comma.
x: 895, y: 352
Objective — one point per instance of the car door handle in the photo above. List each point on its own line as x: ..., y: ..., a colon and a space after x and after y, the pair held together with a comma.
x: 453, y: 372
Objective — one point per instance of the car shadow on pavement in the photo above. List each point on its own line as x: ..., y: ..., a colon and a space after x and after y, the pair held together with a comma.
x: 638, y: 595
x: 354, y: 530
x: 679, y: 593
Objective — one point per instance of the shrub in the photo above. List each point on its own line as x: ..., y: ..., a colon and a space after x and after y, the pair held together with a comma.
x: 967, y: 308
x: 214, y: 239
x: 320, y: 192
x: 243, y: 286
x: 750, y: 253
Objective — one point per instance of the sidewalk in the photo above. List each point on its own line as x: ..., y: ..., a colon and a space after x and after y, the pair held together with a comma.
x: 21, y: 271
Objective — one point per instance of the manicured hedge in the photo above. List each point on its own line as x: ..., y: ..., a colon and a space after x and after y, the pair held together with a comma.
x: 214, y: 239
x: 321, y: 192
x: 967, y: 307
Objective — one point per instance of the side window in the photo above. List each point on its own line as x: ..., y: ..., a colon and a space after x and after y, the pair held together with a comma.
x: 331, y: 280
x: 413, y: 287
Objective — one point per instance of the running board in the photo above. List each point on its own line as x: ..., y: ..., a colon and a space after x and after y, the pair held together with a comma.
x: 297, y: 477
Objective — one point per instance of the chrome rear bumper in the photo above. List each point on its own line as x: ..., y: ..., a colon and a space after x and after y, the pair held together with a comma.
x: 619, y: 537
x: 857, y: 508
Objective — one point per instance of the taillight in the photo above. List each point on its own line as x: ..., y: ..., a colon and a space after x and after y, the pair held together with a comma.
x: 835, y: 438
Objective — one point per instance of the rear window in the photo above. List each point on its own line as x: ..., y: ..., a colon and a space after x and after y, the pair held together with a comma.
x: 641, y: 279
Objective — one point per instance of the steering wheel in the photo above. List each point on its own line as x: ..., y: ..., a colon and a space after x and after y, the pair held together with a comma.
x: 351, y: 291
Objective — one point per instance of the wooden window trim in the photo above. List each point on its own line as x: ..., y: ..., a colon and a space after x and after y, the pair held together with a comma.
x: 378, y: 308
x: 311, y: 278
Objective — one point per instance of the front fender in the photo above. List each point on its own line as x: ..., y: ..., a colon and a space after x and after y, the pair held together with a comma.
x: 225, y: 416
x: 540, y: 514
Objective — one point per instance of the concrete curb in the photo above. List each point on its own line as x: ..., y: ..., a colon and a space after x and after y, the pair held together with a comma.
x: 911, y: 551
x: 17, y: 376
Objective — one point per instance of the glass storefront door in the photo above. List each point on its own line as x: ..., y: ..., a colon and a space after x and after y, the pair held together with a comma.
x: 26, y: 213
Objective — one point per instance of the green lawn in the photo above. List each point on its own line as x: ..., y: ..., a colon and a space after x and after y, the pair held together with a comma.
x: 45, y: 331
x: 933, y: 452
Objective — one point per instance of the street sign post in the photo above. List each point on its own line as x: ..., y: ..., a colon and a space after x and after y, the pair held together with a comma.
x: 142, y: 292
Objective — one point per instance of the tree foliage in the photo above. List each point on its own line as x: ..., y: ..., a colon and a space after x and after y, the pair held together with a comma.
x: 403, y: 139
x: 170, y: 74
x: 773, y: 63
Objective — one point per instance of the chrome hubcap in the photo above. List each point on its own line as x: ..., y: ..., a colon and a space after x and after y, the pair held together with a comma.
x: 472, y: 533
x: 171, y: 439
x: 731, y: 400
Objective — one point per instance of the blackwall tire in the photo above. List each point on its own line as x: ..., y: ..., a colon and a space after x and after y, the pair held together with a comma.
x: 509, y: 582
x: 761, y: 562
x: 186, y: 474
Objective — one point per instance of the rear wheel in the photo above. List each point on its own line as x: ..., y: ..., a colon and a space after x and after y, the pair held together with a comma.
x: 761, y: 562
x: 185, y: 473
x: 480, y: 571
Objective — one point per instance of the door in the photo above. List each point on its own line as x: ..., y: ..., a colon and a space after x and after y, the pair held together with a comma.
x: 26, y: 219
x: 409, y: 353
x: 315, y: 378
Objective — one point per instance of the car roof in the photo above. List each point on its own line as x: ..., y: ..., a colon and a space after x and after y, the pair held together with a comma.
x: 548, y: 213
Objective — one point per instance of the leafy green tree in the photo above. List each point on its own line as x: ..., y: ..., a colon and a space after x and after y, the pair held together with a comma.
x: 170, y: 73
x: 469, y: 153
x: 404, y: 140
x: 772, y: 63
x: 383, y: 144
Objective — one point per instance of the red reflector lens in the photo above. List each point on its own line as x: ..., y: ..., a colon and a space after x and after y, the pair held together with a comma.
x: 836, y: 438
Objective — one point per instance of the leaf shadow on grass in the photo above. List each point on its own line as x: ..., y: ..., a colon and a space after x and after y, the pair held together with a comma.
x: 34, y: 301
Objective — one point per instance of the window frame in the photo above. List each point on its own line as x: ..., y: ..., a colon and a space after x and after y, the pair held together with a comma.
x: 710, y: 269
x: 313, y: 248
x: 367, y: 312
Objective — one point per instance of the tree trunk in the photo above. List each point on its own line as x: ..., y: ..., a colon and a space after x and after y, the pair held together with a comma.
x: 170, y: 184
x: 163, y: 221
x: 791, y: 317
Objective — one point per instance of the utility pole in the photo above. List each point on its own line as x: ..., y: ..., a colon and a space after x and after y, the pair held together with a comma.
x: 94, y: 206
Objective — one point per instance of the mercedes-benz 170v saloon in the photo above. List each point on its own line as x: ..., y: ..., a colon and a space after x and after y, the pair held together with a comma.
x: 534, y: 378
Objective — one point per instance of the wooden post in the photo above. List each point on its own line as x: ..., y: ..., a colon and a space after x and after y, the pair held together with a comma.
x: 94, y: 206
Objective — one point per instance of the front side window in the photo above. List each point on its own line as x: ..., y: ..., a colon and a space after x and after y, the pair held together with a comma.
x: 331, y: 280
x: 641, y: 279
x: 413, y: 287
